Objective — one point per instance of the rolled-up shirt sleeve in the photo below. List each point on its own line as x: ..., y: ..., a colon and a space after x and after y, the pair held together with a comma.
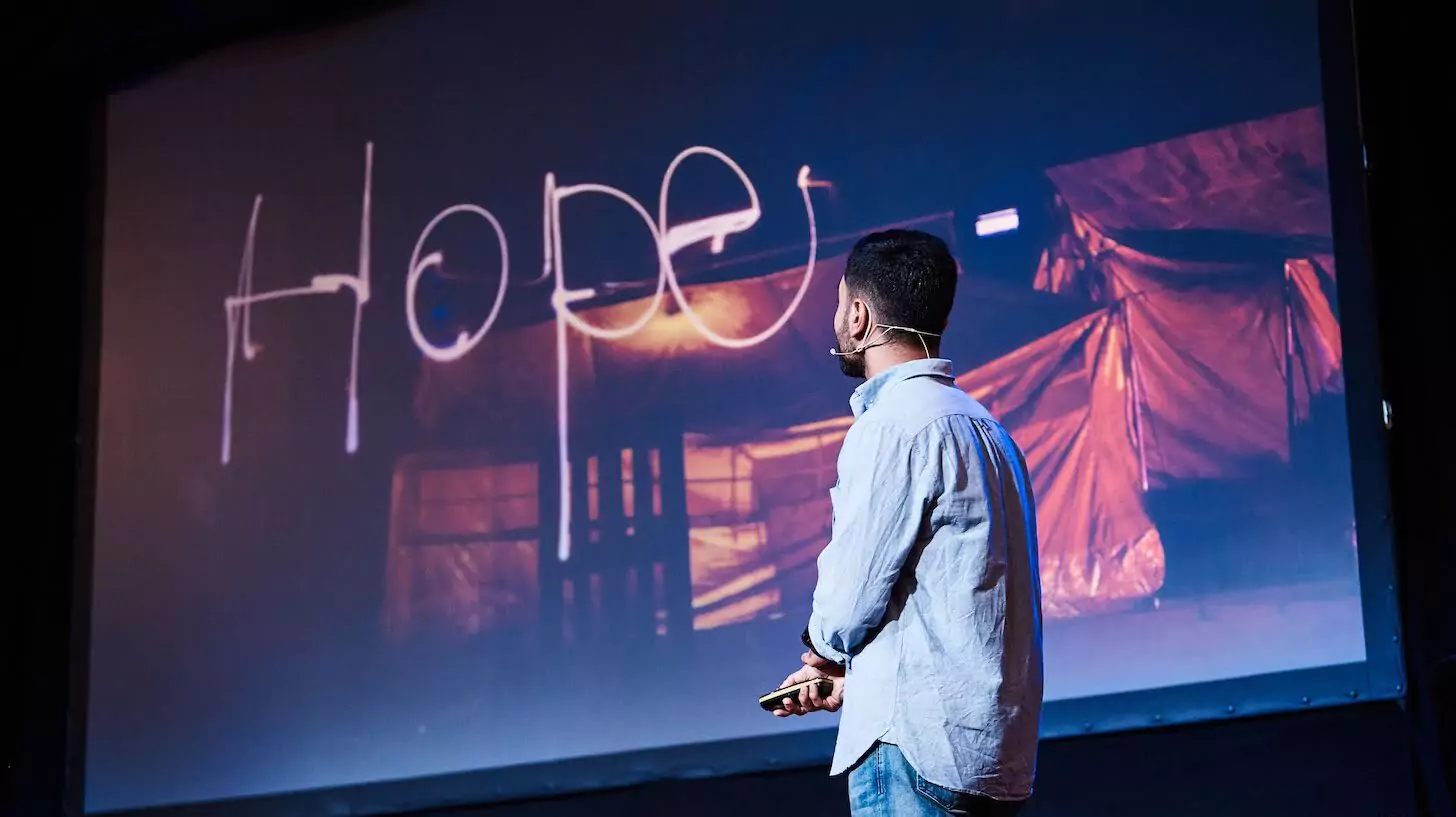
x: 879, y: 509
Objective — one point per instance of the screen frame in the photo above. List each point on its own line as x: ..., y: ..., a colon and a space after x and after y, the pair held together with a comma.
x: 1379, y: 677
x: 88, y: 393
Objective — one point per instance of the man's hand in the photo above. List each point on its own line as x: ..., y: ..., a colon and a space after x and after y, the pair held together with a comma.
x: 811, y: 699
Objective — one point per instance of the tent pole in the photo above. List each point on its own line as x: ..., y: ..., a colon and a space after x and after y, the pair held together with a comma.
x: 1289, y: 396
x: 1136, y: 393
x: 1294, y: 351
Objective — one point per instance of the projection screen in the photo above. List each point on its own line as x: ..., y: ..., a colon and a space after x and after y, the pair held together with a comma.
x: 465, y: 408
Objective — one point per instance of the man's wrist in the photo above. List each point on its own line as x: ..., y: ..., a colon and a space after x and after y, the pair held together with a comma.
x: 809, y: 644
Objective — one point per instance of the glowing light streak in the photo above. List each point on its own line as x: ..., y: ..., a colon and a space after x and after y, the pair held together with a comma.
x: 668, y: 240
x: 435, y: 260
x: 239, y: 311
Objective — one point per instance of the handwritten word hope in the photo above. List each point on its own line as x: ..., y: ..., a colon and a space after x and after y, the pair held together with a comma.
x: 668, y: 239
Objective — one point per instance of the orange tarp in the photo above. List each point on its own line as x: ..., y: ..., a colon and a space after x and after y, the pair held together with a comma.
x: 1213, y: 344
x: 1265, y: 177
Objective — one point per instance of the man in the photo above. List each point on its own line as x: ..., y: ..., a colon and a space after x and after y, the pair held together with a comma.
x: 927, y: 614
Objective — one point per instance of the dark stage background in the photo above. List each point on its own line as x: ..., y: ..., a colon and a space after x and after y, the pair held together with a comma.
x: 1194, y: 770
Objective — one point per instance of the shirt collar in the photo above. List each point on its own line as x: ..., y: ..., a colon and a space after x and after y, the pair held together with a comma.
x: 869, y: 391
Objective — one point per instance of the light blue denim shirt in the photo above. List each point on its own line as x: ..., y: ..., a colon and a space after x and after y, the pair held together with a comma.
x: 928, y: 590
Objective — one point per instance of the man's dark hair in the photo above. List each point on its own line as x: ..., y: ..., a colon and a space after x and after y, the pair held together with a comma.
x: 907, y: 277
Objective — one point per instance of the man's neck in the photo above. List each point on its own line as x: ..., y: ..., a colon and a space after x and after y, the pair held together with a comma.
x: 881, y: 359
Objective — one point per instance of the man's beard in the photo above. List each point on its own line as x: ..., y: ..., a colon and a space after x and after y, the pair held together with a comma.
x: 852, y: 364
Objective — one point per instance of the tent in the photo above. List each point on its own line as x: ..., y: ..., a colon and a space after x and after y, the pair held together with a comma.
x: 1193, y: 369
x: 1179, y: 323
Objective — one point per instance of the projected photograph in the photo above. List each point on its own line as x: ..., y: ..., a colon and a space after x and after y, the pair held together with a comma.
x: 1153, y: 390
x: 463, y: 408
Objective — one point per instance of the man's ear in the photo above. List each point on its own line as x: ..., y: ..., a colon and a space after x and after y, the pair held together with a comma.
x: 859, y: 318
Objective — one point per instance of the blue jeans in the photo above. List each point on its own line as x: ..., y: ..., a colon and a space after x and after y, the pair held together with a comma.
x: 884, y: 784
